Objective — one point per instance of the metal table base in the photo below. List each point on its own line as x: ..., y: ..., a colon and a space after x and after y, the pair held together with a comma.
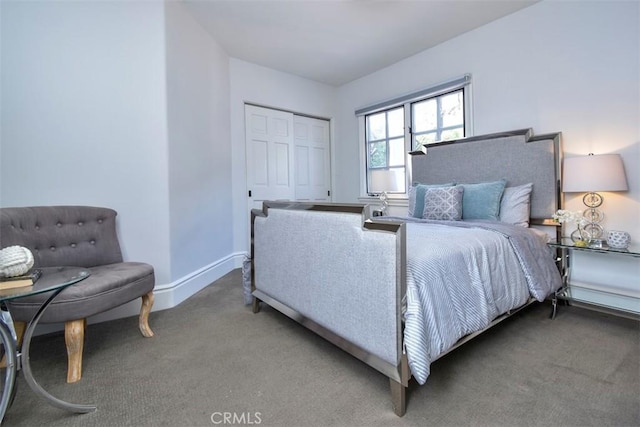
x: 17, y: 358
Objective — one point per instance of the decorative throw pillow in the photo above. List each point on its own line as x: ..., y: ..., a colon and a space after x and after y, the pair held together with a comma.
x: 416, y: 193
x: 444, y: 203
x: 482, y: 200
x: 516, y: 205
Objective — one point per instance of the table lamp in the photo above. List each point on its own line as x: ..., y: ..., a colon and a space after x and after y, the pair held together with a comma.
x: 589, y: 174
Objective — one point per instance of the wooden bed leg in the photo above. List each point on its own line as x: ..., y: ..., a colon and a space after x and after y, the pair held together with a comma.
x: 398, y: 397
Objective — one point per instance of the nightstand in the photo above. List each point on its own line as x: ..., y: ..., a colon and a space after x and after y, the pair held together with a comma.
x: 565, y: 248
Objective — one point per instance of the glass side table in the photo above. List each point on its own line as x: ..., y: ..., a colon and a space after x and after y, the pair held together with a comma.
x: 565, y: 248
x: 54, y: 280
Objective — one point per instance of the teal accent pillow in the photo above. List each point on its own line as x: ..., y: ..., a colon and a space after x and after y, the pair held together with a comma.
x: 482, y: 200
x: 416, y: 197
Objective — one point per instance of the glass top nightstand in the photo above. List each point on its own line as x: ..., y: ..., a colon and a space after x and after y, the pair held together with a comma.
x: 566, y: 243
x: 565, y: 247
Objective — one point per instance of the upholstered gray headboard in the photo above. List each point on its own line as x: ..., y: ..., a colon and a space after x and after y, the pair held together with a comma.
x: 518, y: 156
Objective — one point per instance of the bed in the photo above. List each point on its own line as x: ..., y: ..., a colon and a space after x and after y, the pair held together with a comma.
x: 400, y: 292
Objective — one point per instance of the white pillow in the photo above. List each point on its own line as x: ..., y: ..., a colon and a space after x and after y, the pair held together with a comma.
x: 515, y: 206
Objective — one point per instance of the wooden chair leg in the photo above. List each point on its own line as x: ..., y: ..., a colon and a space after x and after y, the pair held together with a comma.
x: 143, y: 323
x: 74, y: 338
x: 19, y: 328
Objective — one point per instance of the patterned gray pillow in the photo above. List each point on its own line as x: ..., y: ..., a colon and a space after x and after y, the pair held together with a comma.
x: 416, y: 197
x: 444, y: 203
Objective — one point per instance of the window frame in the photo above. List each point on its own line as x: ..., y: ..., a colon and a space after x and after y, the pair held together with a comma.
x: 407, y: 102
x: 440, y: 128
x: 387, y: 140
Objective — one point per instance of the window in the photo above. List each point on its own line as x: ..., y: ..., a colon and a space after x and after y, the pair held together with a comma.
x: 386, y: 150
x: 439, y: 118
x: 393, y: 128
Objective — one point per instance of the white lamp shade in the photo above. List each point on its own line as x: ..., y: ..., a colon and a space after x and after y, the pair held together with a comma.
x: 386, y: 180
x: 592, y: 173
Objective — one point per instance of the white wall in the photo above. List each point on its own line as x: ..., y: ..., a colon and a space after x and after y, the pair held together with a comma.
x: 269, y: 88
x: 84, y: 115
x: 105, y: 111
x: 201, y: 224
x: 126, y: 105
x: 555, y: 66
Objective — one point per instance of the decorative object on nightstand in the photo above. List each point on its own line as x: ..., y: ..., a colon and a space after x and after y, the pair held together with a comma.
x: 592, y: 173
x: 618, y: 239
x: 385, y: 203
x: 381, y: 210
x: 578, y: 236
x: 15, y: 261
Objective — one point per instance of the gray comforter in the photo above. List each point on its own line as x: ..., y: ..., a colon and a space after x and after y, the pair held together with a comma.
x: 461, y: 275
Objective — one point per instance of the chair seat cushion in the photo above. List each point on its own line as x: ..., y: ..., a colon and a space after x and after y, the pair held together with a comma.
x: 108, y: 287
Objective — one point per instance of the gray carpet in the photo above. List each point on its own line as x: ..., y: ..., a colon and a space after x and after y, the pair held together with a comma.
x: 212, y: 356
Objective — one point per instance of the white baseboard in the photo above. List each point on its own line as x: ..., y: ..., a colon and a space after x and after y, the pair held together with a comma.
x: 613, y: 298
x: 165, y: 295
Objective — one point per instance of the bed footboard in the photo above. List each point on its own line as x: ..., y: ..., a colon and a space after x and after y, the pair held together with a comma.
x: 339, y: 274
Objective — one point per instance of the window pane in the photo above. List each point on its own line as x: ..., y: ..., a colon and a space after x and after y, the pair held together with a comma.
x: 425, y: 115
x: 386, y: 151
x: 400, y: 180
x: 377, y: 127
x: 396, y: 122
x: 451, y: 112
x: 452, y: 134
x: 425, y: 138
x: 396, y: 152
x: 378, y: 154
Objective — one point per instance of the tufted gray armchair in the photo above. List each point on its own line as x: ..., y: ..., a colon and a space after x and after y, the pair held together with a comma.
x: 79, y: 236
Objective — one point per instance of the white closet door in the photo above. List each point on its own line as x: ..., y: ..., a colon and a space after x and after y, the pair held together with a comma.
x: 270, y: 155
x: 312, y: 159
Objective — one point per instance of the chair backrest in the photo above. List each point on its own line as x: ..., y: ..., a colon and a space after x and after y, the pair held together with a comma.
x: 81, y: 236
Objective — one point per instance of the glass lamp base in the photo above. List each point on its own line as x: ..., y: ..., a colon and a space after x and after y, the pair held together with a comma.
x: 593, y: 231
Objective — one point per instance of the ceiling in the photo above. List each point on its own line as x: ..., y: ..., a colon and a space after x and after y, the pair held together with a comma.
x: 337, y: 41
